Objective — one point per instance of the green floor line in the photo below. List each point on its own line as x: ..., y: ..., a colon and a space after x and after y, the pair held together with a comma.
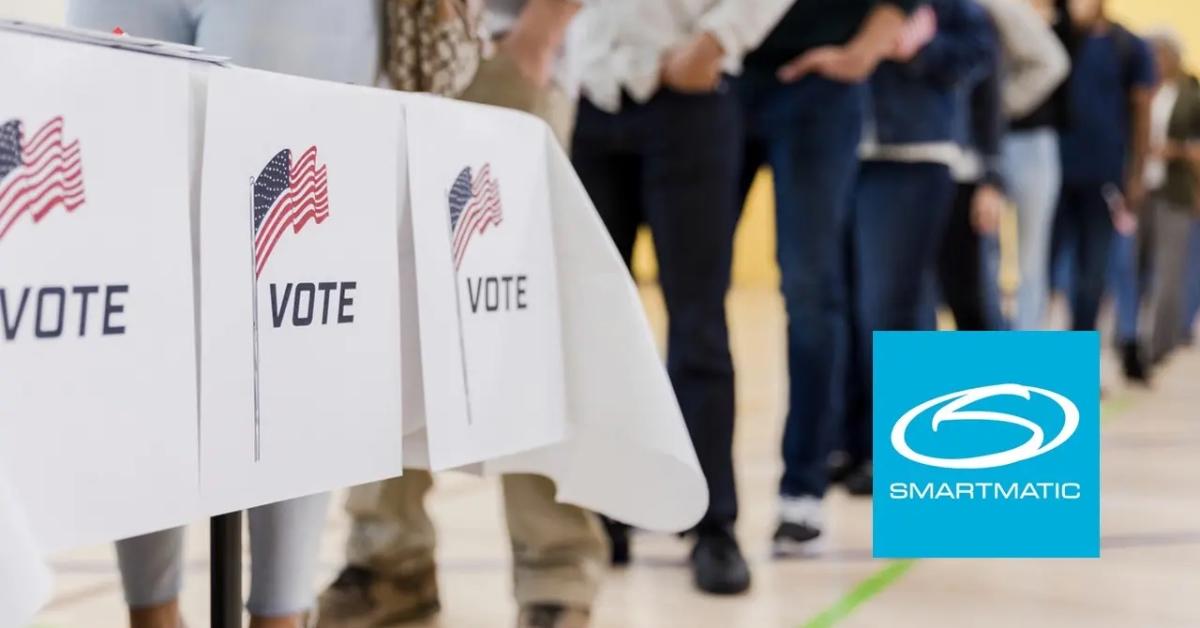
x: 863, y: 591
x: 880, y: 580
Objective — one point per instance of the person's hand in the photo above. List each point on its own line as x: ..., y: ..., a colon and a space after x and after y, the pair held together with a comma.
x: 695, y: 66
x: 1135, y: 194
x: 533, y: 56
x: 845, y: 64
x: 986, y: 207
x: 919, y: 30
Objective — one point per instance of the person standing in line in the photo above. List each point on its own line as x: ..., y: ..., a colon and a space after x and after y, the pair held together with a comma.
x: 803, y: 97
x: 342, y: 44
x: 559, y: 550
x: 966, y: 266
x: 1031, y: 63
x: 658, y: 141
x: 1173, y: 184
x: 905, y: 187
x: 1103, y: 152
x: 1031, y: 156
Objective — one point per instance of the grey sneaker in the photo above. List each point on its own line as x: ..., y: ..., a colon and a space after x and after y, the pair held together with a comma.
x: 552, y: 616
x: 362, y: 598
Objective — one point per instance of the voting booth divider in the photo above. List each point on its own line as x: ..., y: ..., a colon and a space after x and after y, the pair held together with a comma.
x: 222, y: 288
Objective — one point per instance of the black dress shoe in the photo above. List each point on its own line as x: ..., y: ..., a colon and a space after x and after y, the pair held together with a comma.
x: 717, y: 563
x: 1134, y: 364
x: 859, y: 482
x: 618, y: 540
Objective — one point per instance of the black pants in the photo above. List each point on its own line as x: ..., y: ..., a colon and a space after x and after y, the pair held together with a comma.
x: 673, y: 163
x: 966, y: 281
x: 1084, y: 229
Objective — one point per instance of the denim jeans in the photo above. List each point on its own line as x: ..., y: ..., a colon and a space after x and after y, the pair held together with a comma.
x: 899, y: 216
x: 1086, y: 231
x: 1032, y: 166
x: 1191, y: 307
x: 672, y: 163
x: 967, y: 267
x: 334, y: 40
x: 1128, y: 278
x: 808, y: 133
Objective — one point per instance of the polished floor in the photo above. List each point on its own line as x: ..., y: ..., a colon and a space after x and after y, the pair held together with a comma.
x: 1149, y: 575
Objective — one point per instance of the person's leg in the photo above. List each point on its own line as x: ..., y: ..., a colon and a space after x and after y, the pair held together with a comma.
x: 692, y: 157
x: 390, y: 574
x: 284, y: 538
x: 152, y: 576
x: 1092, y: 231
x: 1032, y: 165
x: 1191, y: 307
x: 960, y: 265
x: 899, y: 208
x: 1122, y: 276
x: 168, y: 20
x: 810, y: 130
x: 559, y: 550
x: 1164, y: 311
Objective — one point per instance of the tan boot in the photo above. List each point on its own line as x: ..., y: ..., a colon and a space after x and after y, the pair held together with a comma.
x: 361, y: 598
x: 552, y: 616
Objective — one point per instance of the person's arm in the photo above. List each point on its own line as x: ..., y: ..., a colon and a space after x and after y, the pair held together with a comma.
x: 960, y: 50
x: 1037, y: 62
x: 987, y: 130
x: 536, y: 36
x: 722, y: 37
x: 1141, y: 94
x: 854, y: 61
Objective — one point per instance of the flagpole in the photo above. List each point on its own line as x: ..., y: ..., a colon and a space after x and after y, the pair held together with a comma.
x: 462, y: 343
x: 254, y: 302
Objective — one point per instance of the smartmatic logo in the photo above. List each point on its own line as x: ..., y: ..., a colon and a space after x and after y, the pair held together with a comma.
x: 968, y: 467
x: 955, y: 407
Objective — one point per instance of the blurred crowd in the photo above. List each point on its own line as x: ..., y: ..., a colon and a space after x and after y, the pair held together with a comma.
x: 902, y: 135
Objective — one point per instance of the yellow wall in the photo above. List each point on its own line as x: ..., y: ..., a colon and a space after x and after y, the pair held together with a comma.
x: 754, y: 248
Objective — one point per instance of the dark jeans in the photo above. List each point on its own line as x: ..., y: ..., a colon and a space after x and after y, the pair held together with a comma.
x: 1084, y: 222
x: 673, y: 163
x: 966, y: 276
x: 808, y: 133
x: 898, y: 218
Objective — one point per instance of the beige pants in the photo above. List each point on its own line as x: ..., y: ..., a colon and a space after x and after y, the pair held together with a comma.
x: 559, y: 551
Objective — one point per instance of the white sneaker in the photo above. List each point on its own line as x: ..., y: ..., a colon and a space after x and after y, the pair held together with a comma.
x: 801, y: 520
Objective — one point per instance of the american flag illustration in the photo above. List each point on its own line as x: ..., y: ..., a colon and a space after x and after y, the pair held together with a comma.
x: 38, y: 173
x: 474, y: 206
x: 287, y: 196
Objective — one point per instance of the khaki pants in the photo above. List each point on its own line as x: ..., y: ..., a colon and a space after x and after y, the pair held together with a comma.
x: 559, y: 551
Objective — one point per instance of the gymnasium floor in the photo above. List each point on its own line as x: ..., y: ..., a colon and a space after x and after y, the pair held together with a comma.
x: 1149, y: 575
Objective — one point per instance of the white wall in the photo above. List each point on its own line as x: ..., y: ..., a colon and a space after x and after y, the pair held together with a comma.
x: 48, y: 11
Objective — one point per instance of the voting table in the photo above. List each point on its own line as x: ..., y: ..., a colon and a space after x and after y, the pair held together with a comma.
x: 222, y: 288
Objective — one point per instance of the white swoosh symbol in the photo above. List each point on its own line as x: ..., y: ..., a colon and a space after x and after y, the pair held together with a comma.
x: 952, y: 411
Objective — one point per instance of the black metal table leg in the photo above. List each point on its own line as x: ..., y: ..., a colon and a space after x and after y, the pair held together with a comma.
x: 225, y: 553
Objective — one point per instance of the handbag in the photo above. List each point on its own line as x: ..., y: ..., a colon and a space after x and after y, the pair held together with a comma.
x: 434, y: 46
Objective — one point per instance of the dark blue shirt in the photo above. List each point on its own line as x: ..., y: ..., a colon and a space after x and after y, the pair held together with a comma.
x: 1107, y: 67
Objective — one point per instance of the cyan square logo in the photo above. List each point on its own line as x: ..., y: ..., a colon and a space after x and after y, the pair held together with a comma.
x: 987, y: 444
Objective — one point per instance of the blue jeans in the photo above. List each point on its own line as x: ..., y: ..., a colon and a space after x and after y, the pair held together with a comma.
x: 672, y: 163
x: 1032, y: 166
x: 808, y: 132
x: 334, y: 40
x: 1128, y: 277
x: 898, y: 221
x: 1086, y: 232
x: 1191, y: 277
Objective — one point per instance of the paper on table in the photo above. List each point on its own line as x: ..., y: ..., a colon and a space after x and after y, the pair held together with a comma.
x: 628, y: 454
x: 25, y: 577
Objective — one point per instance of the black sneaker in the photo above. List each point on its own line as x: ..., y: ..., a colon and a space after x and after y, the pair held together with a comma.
x: 1134, y: 364
x: 717, y: 563
x: 860, y: 481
